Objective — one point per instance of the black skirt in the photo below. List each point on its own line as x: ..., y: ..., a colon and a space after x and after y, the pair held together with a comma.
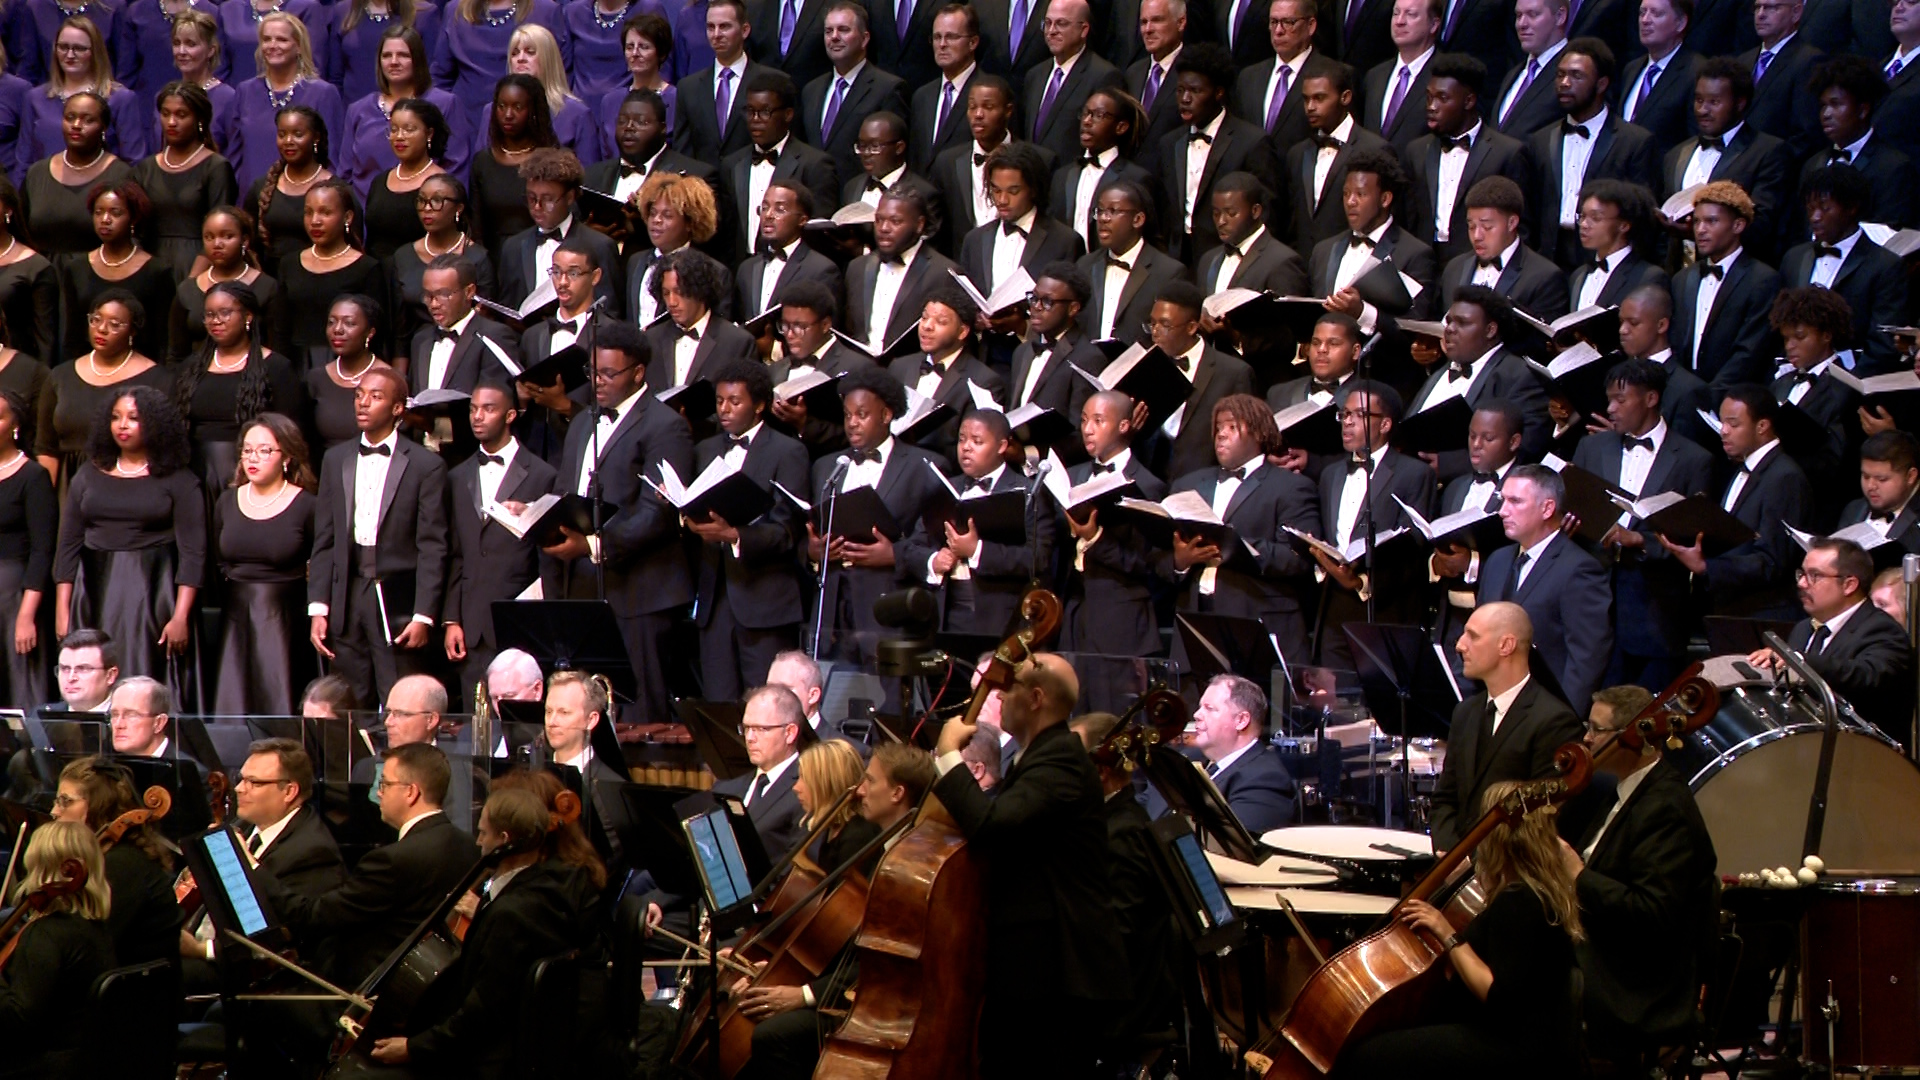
x: 129, y: 595
x: 26, y: 675
x: 265, y: 660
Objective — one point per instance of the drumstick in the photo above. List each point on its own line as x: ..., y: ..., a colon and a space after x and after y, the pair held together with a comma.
x: 701, y: 951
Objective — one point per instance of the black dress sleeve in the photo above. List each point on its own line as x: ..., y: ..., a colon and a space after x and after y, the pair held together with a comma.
x: 43, y: 526
x: 73, y: 530
x: 189, y: 528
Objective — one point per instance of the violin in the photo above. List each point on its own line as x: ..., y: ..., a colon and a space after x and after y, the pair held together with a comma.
x: 73, y: 878
x: 155, y: 804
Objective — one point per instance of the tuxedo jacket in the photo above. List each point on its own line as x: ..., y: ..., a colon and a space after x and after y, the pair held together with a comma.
x: 1492, y: 154
x: 926, y: 273
x: 696, y: 121
x: 1163, y: 118
x: 1410, y: 122
x: 926, y: 136
x: 1872, y: 280
x: 1066, y: 184
x: 1901, y: 531
x: 1781, y: 104
x: 1632, y: 273
x: 1059, y: 130
x: 998, y: 584
x: 1399, y: 252
x: 1755, y: 580
x: 1654, y: 612
x: 952, y: 392
x: 518, y: 273
x: 1647, y: 902
x: 540, y: 429
x: 908, y: 487
x: 1152, y: 270
x: 1282, y: 395
x: 1275, y: 585
x: 720, y: 343
x: 1048, y: 241
x: 1890, y: 175
x: 641, y: 558
x: 1621, y: 151
x: 821, y: 433
x: 1534, y: 110
x: 805, y: 264
x: 1738, y: 344
x: 1686, y: 396
x: 1317, y: 217
x: 1569, y: 599
x: 799, y: 162
x: 1507, y: 376
x: 483, y: 351
x: 907, y: 51
x: 1108, y: 606
x: 1535, y: 725
x: 1869, y: 661
x: 957, y: 175
x: 605, y: 175
x: 1058, y: 388
x: 806, y: 55
x: 1217, y: 375
x: 304, y: 857
x: 1398, y: 584
x: 776, y: 813
x: 1667, y: 112
x: 1531, y: 280
x: 1234, y: 146
x: 871, y: 91
x: 411, y: 541
x: 1761, y: 164
x: 1480, y: 29
x: 998, y: 52
x: 488, y: 563
x: 1268, y: 265
x: 1250, y: 94
x: 1897, y: 118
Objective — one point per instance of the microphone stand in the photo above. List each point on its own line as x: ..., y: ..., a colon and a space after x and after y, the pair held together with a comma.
x: 596, y: 488
x: 1364, y: 366
x: 826, y: 554
x: 1036, y: 469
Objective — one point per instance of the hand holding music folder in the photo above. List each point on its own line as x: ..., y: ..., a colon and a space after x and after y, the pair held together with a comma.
x: 568, y: 366
x: 1475, y: 529
x: 1000, y: 517
x: 1680, y: 518
x: 859, y: 515
x: 1356, y: 549
x: 1096, y: 491
x: 1188, y: 514
x: 1310, y: 425
x: 723, y: 490
x: 530, y: 311
x: 1145, y: 373
x: 1589, y: 498
x: 544, y: 517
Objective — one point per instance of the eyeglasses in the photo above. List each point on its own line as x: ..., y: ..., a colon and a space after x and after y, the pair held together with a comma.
x: 1100, y: 115
x: 1343, y: 415
x: 212, y: 315
x: 544, y: 202
x: 1154, y: 326
x: 118, y: 715
x: 1109, y: 213
x: 254, y: 782
x: 1282, y: 22
x: 1036, y: 302
x: 794, y: 327
x: 442, y: 295
x: 384, y: 784
x: 78, y: 669
x: 111, y: 326
x: 1811, y: 576
x: 604, y: 375
x: 63, y: 801
x: 751, y: 728
x: 567, y: 273
x: 251, y: 452
x: 761, y: 114
x: 434, y: 203
x: 1592, y: 728
x: 70, y: 47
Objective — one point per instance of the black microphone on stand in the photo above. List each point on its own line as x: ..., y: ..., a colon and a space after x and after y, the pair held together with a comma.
x: 1366, y: 458
x: 1036, y: 468
x: 593, y: 338
x: 826, y: 562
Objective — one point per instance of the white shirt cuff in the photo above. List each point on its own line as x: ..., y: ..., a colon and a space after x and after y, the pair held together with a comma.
x: 422, y: 619
x: 316, y: 611
x: 947, y: 762
x: 806, y: 995
x: 1473, y: 568
x: 1369, y: 317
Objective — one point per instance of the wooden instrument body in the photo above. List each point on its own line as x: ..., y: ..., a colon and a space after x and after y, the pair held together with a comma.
x: 1393, y: 970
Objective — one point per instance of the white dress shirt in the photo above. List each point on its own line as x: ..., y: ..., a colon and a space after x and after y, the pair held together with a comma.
x: 1412, y: 68
x: 1549, y: 60
x: 1703, y: 300
x: 1197, y: 161
x: 1597, y: 279
x: 1453, y: 167
x: 770, y: 275
x: 1852, y: 149
x: 1747, y: 465
x: 759, y: 177
x: 628, y: 184
x: 871, y: 195
x: 608, y: 423
x: 649, y: 307
x: 369, y: 481
x: 1503, y: 703
x: 1230, y: 259
x: 1631, y: 107
x: 1286, y: 73
x: 1353, y: 262
x: 963, y: 568
x: 1802, y: 387
x: 1192, y: 357
x: 773, y: 776
x: 1083, y: 193
x: 1490, y: 275
x: 929, y: 381
x: 1621, y: 793
x: 1449, y: 387
x: 1636, y: 461
x: 867, y: 473
x: 440, y: 356
x: 264, y: 835
x: 1833, y: 625
x: 1323, y: 159
x: 983, y: 208
x: 686, y: 346
x: 566, y: 331
x: 1827, y: 267
x: 543, y: 251
x: 1353, y: 497
x: 1116, y: 281
x: 886, y: 290
x: 1575, y: 153
x: 1705, y: 159
x: 1008, y: 250
x: 491, y: 475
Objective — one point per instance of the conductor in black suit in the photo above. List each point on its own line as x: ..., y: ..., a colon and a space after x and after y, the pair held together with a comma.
x: 488, y: 563
x: 553, y: 177
x: 772, y: 723
x: 748, y: 606
x: 833, y: 105
x: 636, y: 560
x: 1184, y: 442
x: 375, y: 582
x: 1043, y: 839
x: 1507, y: 731
x: 1458, y: 140
x: 1862, y: 651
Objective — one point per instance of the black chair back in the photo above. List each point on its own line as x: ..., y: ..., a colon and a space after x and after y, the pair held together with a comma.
x: 551, y: 1040
x: 137, y: 1004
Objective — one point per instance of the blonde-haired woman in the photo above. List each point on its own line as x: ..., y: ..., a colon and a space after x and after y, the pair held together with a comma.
x: 534, y: 51
x: 45, y: 1015
x: 288, y: 78
x: 240, y: 31
x: 478, y: 33
x: 194, y: 41
x: 829, y: 770
x: 142, y: 40
x: 1510, y: 972
x: 80, y: 62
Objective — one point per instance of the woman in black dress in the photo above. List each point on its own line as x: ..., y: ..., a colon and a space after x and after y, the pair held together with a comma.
x: 46, y: 1006
x: 21, y: 374
x: 145, y: 921
x: 521, y: 121
x: 133, y: 539
x: 76, y: 390
x: 828, y: 769
x: 441, y: 206
x: 353, y: 325
x: 231, y: 380
x: 262, y: 531
x: 228, y: 255
x: 332, y: 264
x: 1511, y: 1009
x: 29, y: 522
x: 418, y: 133
x: 119, y: 263
x: 53, y: 198
x: 185, y: 180
x: 277, y: 200
x: 29, y: 300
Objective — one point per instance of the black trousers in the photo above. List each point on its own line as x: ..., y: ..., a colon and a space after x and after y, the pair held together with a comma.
x: 1052, y: 1039
x: 363, y: 652
x: 734, y: 658
x: 786, y: 1046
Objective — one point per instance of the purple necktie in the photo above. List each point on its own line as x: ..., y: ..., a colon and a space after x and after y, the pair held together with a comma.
x: 1646, y: 88
x: 902, y: 17
x: 1399, y: 97
x: 1893, y: 68
x: 723, y: 101
x: 833, y: 108
x: 1453, y: 19
x: 1760, y: 65
x: 1353, y: 16
x: 789, y: 13
x: 1017, y: 28
x: 946, y: 108
x: 1279, y: 98
x: 1533, y: 69
x: 1233, y: 22
x: 1046, y: 100
x: 1153, y: 86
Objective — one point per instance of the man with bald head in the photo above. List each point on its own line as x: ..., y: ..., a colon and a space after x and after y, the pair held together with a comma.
x: 1055, y: 962
x: 1058, y: 89
x: 1507, y: 731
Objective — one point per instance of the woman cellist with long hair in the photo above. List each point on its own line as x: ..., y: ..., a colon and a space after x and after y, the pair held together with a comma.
x: 1508, y: 1010
x: 146, y: 919
x: 48, y: 968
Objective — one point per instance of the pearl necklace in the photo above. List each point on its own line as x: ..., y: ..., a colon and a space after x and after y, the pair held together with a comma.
x: 94, y: 366
x: 352, y: 380
x: 8, y: 250
x: 514, y: 153
x: 212, y: 281
x: 13, y: 464
x: 139, y: 470
x: 399, y: 172
x: 166, y: 157
x: 225, y: 368
x: 104, y: 261
x: 425, y: 241
x: 251, y: 501
x: 314, y: 250
x: 67, y: 156
x: 285, y: 174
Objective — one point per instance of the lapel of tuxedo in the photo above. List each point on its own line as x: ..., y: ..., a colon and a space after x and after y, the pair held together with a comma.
x: 1202, y: 375
x: 395, y: 470
x: 1136, y: 280
x: 1602, y: 143
x: 1243, y: 492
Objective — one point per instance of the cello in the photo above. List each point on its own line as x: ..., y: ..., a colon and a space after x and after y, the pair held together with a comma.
x: 922, y: 945
x: 73, y: 878
x: 155, y: 802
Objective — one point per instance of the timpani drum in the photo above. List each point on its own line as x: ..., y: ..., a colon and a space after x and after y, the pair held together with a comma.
x: 1860, y: 981
x: 1378, y: 859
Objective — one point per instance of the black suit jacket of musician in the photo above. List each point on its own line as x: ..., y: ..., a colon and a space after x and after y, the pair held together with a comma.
x: 1059, y: 388
x: 1522, y: 749
x: 1869, y: 661
x: 1216, y: 376
x: 775, y: 813
x: 1763, y: 167
x: 1235, y: 148
x: 871, y: 91
x: 763, y: 583
x: 1507, y: 376
x: 1152, y: 269
x: 412, y: 533
x: 1281, y: 592
x: 1314, y: 221
x: 304, y: 856
x: 927, y: 272
x: 807, y: 165
x: 474, y: 355
x: 487, y: 562
x: 1048, y: 241
x: 804, y: 264
x: 722, y: 342
x: 1872, y: 280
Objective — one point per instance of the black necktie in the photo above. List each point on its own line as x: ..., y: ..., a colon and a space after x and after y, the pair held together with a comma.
x: 1714, y: 271
x: 383, y: 450
x: 1098, y: 468
x: 760, y: 787
x: 1713, y: 142
x: 736, y: 442
x: 1630, y: 442
x: 1494, y: 264
x: 1486, y: 721
x: 1461, y: 143
x: 859, y: 456
x: 765, y: 157
x: 1008, y: 228
x: 1213, y: 769
x: 1357, y: 240
x: 1199, y: 136
x: 1825, y: 251
x: 1519, y: 567
x: 1119, y: 264
x: 550, y: 234
x: 1568, y: 128
x: 492, y: 459
x: 1327, y: 142
x: 1818, y: 642
x: 1233, y: 474
x: 773, y: 253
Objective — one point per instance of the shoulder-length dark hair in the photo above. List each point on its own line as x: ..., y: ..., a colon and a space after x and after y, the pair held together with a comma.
x: 161, y: 428
x: 255, y: 394
x: 293, y: 450
x: 541, y: 120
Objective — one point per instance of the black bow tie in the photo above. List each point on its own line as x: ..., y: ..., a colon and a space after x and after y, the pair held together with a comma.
x: 1493, y: 264
x: 859, y: 456
x: 1460, y: 143
x: 1884, y: 517
x: 1327, y: 142
x: 773, y: 252
x: 874, y: 184
x: 1183, y: 363
x: 765, y: 157
x: 492, y: 459
x: 1642, y: 443
x: 383, y: 450
x: 550, y: 234
x: 970, y: 483
x: 1713, y: 142
x: 1090, y: 162
x: 1098, y: 468
x: 898, y: 258
x: 1800, y: 377
x: 1486, y: 478
x: 627, y: 170
x: 929, y: 367
x: 1008, y: 228
x: 1825, y: 251
x: 1458, y: 371
x: 1713, y: 270
x: 1322, y: 386
x: 1839, y: 157
x: 979, y: 160
x: 1199, y: 136
x: 1597, y: 266
x: 1357, y: 240
x: 689, y: 333
x: 1233, y: 474
x: 441, y: 334
x: 1568, y: 127
x: 1355, y: 465
x: 739, y: 441
x: 1119, y: 264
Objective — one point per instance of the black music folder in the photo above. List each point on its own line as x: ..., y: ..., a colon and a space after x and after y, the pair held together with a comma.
x: 1034, y: 425
x: 1590, y: 499
x: 1001, y: 517
x: 1435, y: 429
x: 1150, y: 376
x: 695, y: 399
x: 732, y: 495
x: 568, y: 366
x: 715, y: 726
x: 1309, y: 426
x: 858, y: 515
x: 1681, y: 518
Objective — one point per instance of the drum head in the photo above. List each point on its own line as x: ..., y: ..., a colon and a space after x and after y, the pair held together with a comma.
x: 1756, y: 807
x: 1313, y: 901
x: 1354, y: 842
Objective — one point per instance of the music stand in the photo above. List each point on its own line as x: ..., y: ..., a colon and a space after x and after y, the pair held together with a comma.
x: 715, y: 726
x: 1209, y: 920
x: 1728, y: 636
x: 568, y: 635
x: 1191, y: 792
x: 1402, y: 673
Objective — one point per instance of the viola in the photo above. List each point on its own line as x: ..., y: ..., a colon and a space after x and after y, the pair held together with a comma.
x: 155, y: 804
x: 73, y: 878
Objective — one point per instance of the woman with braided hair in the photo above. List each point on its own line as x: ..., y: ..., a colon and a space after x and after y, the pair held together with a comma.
x: 277, y: 200
x: 287, y: 78
x: 231, y: 379
x: 334, y: 262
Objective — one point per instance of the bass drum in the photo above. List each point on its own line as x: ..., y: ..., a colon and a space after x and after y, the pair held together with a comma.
x: 1752, y: 770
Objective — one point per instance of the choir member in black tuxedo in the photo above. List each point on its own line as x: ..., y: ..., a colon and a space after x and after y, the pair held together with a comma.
x: 1781, y: 64
x: 677, y: 211
x: 546, y: 409
x: 859, y: 569
x: 1493, y: 446
x: 375, y: 581
x: 640, y: 134
x: 47, y: 991
x: 691, y: 287
x: 789, y: 36
x: 938, y: 116
x: 774, y: 151
x: 486, y: 563
x: 1372, y: 189
x: 1461, y: 151
x: 553, y: 177
x: 1720, y: 302
x: 1210, y: 144
x: 1730, y: 148
x: 1479, y: 367
x: 945, y: 368
x: 748, y: 598
x: 835, y: 104
x: 1024, y: 236
x: 1644, y: 872
x: 1394, y: 88
x: 461, y: 348
x: 262, y: 533
x: 1889, y: 475
x: 807, y: 312
x: 1332, y: 354
x: 991, y: 113
x: 1127, y: 273
x: 1899, y: 115
x: 1655, y: 88
x: 1850, y: 90
x: 1043, y: 838
x: 1768, y: 493
x: 1316, y: 168
x: 1156, y: 39
x: 274, y: 797
x: 1616, y: 228
x: 773, y: 723
x: 704, y: 95
x: 1184, y: 442
x: 1644, y: 455
x: 637, y: 562
x: 1864, y: 652
x: 1813, y: 325
x: 1057, y: 89
x: 1497, y: 258
x: 1112, y: 125
x: 1268, y: 91
x: 1255, y: 499
x: 1107, y: 598
x: 1043, y: 364
x: 1645, y: 316
x: 882, y: 150
x: 782, y: 257
x: 1507, y: 731
x: 979, y: 583
x: 1589, y: 144
x: 93, y: 792
x: 1841, y: 257
x: 1527, y: 98
x: 888, y: 287
x: 533, y: 906
x: 1348, y: 501
x: 1249, y: 257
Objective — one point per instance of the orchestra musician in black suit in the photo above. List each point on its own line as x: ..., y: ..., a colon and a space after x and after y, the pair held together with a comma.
x: 1126, y: 271
x: 1507, y: 731
x: 774, y: 724
x: 1478, y: 323
x: 487, y: 563
x: 636, y: 561
x: 697, y: 130
x: 553, y: 177
x: 1458, y: 138
x: 1850, y: 90
x: 887, y: 288
x: 803, y: 56
x: 782, y: 255
x: 748, y: 604
x: 1728, y: 147
x: 773, y: 150
x: 1043, y: 363
x: 1229, y: 728
x: 1781, y: 104
x: 1316, y: 167
x: 856, y: 83
x: 1158, y: 37
x: 288, y: 836
x: 1112, y: 126
x: 937, y: 116
x: 1268, y: 91
x: 373, y: 599
x: 1026, y: 236
x: 945, y: 368
x: 1498, y: 259
x: 1527, y: 100
x: 691, y: 287
x: 1056, y: 89
x: 1655, y: 88
x: 1720, y: 303
x: 1184, y: 443
x: 1106, y: 594
x: 1840, y: 257
x: 1616, y: 150
x: 1889, y: 475
x: 1203, y: 76
x: 1616, y: 231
